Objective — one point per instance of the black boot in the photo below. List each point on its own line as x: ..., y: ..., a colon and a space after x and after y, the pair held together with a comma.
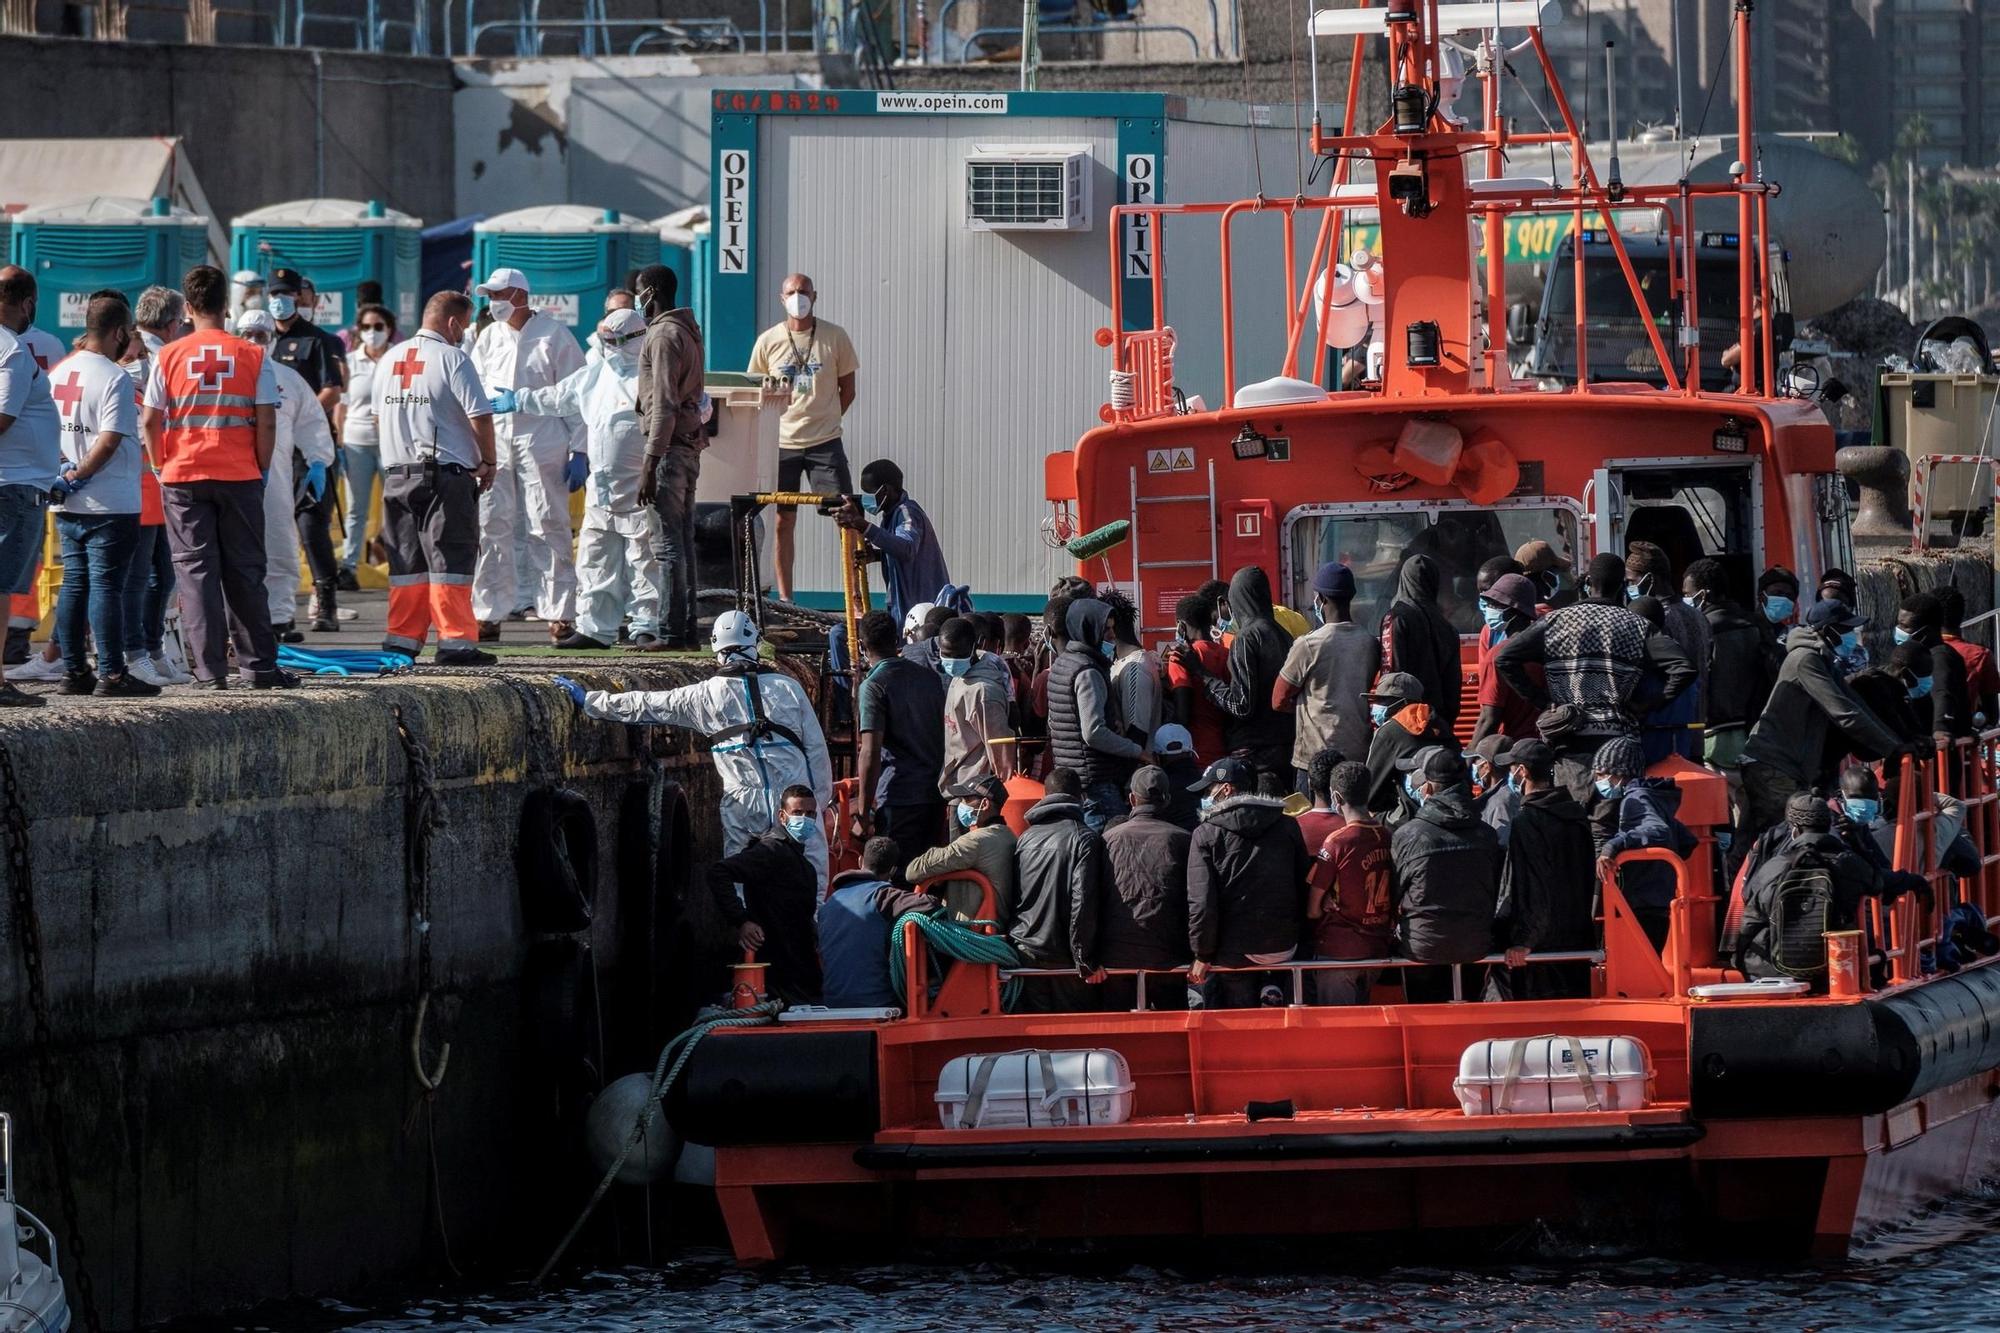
x: 288, y: 633
x: 321, y: 612
x: 16, y: 653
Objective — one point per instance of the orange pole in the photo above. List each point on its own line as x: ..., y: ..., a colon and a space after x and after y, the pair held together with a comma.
x: 1229, y: 302
x: 1118, y: 288
x: 1746, y: 153
x: 1764, y: 293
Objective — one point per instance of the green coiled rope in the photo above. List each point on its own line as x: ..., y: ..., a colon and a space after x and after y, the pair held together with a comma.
x: 951, y: 938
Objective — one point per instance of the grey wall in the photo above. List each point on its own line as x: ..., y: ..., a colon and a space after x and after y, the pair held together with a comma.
x: 247, y: 115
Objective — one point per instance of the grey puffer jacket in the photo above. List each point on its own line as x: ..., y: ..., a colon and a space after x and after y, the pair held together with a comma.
x: 1447, y: 881
x: 1246, y: 881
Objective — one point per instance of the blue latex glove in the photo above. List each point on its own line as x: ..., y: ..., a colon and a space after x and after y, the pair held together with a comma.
x: 505, y: 401
x: 68, y: 484
x: 576, y: 471
x: 575, y: 690
x: 316, y: 481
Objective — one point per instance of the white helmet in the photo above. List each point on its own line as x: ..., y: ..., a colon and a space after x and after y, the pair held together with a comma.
x: 914, y: 621
x: 735, y: 632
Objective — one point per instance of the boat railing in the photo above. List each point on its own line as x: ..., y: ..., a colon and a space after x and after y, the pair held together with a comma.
x: 1300, y: 967
x: 1965, y: 772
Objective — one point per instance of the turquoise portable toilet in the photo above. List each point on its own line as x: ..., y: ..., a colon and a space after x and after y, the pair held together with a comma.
x: 338, y: 244
x: 574, y: 256
x: 684, y: 249
x: 106, y: 242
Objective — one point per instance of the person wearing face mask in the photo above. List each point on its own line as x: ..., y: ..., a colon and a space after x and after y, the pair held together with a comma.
x: 670, y: 394
x: 1649, y: 572
x: 895, y: 530
x: 524, y: 348
x: 614, y: 301
x: 1898, y: 692
x: 768, y: 893
x: 149, y: 577
x: 1135, y: 670
x: 211, y: 420
x: 1446, y: 876
x: 1861, y: 822
x: 1254, y: 727
x: 361, y: 452
x: 320, y: 359
x: 980, y: 842
x: 246, y: 292
x: 1083, y: 732
x: 978, y: 739
x: 1187, y: 700
x: 1507, y: 607
x: 763, y: 735
x: 1549, y: 570
x: 1496, y: 799
x: 1548, y: 880
x: 813, y: 363
x: 1778, y: 603
x: 1646, y: 808
x: 436, y: 431
x: 1059, y: 878
x: 617, y: 570
x: 304, y: 442
x: 97, y: 514
x: 30, y: 451
x: 1246, y: 889
x: 1740, y: 671
x: 1405, y: 723
x: 1326, y: 673
x: 1812, y: 713
x: 1920, y: 622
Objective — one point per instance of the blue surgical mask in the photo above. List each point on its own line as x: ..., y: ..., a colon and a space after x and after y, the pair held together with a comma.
x: 1319, y: 613
x: 1514, y: 781
x: 966, y: 817
x: 1411, y: 790
x: 955, y: 666
x: 1378, y: 713
x: 1850, y: 645
x: 800, y: 827
x: 1609, y: 789
x: 1222, y: 622
x: 1633, y: 592
x: 1861, y: 810
x: 1495, y: 618
x: 1922, y: 689
x: 1207, y: 804
x: 283, y: 307
x: 1107, y: 648
x: 1777, y: 609
x: 1902, y: 636
x: 870, y: 505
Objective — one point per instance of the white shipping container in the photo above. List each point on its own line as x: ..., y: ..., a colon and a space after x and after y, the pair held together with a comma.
x: 1549, y: 1074
x: 1033, y: 1089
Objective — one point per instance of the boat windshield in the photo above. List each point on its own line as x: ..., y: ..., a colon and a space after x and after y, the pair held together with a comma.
x: 1374, y: 540
x: 1619, y: 348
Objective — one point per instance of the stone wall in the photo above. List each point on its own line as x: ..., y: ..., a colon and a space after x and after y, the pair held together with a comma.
x: 226, y: 931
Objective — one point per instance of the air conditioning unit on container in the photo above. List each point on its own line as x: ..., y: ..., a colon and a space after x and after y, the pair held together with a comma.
x: 1028, y: 187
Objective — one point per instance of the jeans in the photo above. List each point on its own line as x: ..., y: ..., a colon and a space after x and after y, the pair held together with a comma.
x: 1102, y: 803
x: 96, y: 548
x: 149, y: 586
x: 674, y: 479
x: 1345, y: 987
x: 21, y: 529
x: 364, y: 465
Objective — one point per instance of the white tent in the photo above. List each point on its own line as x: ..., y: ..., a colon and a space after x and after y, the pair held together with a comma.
x: 36, y: 173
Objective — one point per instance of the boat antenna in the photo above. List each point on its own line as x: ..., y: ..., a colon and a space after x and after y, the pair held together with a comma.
x: 1680, y: 78
x: 1614, y: 184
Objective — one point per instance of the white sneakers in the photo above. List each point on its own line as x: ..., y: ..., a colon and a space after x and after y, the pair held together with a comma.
x: 37, y: 668
x: 158, y: 670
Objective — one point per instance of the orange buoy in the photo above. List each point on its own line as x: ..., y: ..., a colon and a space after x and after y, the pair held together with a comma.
x: 1022, y: 792
x: 1843, y: 964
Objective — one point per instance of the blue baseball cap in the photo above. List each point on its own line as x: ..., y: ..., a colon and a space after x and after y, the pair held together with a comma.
x: 1334, y: 580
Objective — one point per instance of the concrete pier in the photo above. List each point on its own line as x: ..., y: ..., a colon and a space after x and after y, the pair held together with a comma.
x: 232, y: 969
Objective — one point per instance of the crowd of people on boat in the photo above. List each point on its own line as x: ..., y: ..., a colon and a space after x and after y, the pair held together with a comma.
x: 1279, y: 785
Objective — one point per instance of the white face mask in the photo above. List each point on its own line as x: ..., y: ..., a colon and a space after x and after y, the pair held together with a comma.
x: 374, y: 339
x: 502, y: 311
x: 798, y: 305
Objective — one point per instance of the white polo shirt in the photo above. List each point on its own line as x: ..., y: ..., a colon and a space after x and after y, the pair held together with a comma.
x: 31, y: 448
x: 94, y: 397
x: 426, y: 395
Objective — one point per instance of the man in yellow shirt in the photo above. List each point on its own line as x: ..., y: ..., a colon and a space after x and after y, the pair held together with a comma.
x: 814, y: 362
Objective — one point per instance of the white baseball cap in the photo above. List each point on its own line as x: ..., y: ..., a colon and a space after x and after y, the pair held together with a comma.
x: 256, y: 321
x: 621, y: 324
x: 501, y: 279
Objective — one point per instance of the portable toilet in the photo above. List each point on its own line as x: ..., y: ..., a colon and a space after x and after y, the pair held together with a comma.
x: 574, y: 256
x: 106, y: 242
x: 683, y: 248
x: 338, y: 244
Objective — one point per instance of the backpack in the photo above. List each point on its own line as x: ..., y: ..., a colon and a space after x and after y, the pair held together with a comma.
x: 1796, y: 893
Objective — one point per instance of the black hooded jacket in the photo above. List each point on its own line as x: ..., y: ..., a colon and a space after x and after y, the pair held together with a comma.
x: 1740, y: 667
x: 1447, y: 880
x: 1061, y: 867
x: 1418, y: 639
x: 1246, y: 881
x: 1255, y: 658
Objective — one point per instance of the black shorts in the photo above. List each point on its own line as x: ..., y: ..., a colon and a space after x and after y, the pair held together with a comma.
x: 823, y: 465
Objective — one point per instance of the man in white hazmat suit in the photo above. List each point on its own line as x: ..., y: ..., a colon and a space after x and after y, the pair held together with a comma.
x: 760, y: 727
x: 524, y: 349
x: 302, y: 427
x: 616, y: 569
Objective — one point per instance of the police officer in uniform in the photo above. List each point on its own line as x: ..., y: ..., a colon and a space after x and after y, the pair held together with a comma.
x: 436, y: 430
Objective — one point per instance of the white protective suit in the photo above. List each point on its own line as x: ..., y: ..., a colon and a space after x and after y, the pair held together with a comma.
x: 755, y: 770
x: 530, y: 449
x: 616, y: 569
x: 302, y: 425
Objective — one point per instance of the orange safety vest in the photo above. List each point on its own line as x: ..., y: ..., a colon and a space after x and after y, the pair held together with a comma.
x: 210, y: 379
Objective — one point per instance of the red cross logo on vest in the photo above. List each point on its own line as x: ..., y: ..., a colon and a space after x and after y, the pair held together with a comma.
x: 69, y: 393
x: 211, y: 368
x: 408, y: 368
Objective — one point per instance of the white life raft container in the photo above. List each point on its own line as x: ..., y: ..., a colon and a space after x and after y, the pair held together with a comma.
x: 1548, y: 1074
x: 1034, y: 1089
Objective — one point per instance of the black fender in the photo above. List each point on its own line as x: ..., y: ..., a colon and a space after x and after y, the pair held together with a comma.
x: 555, y: 861
x: 785, y: 1086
